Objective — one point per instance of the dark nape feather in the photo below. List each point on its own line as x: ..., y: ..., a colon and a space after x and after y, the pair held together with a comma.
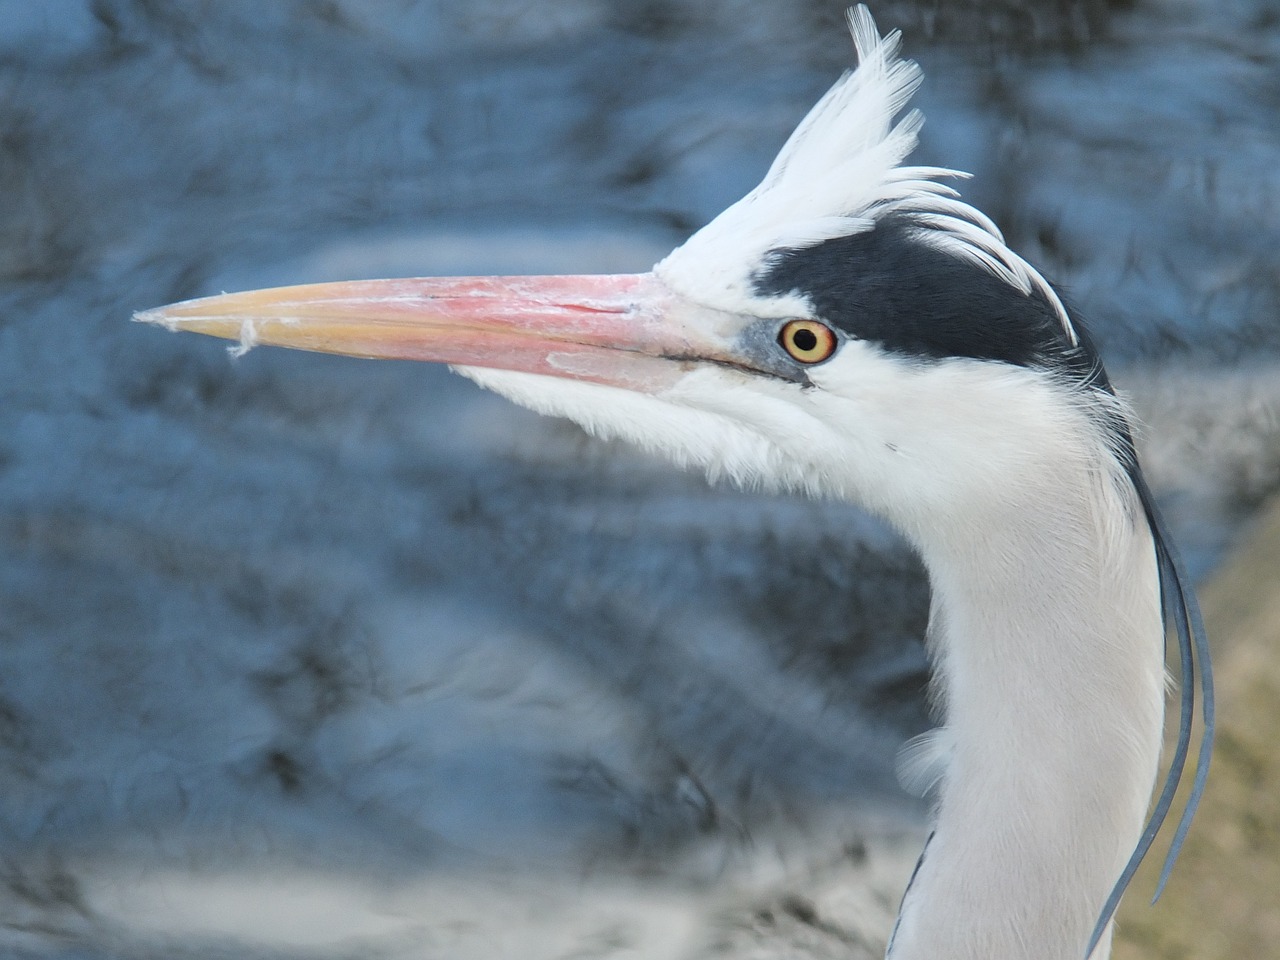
x: 1177, y: 598
x: 893, y: 934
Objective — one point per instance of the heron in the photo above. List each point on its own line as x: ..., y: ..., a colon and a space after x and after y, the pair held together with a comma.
x: 852, y: 328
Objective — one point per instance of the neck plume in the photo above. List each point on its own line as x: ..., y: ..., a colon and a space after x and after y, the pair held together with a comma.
x: 1046, y: 635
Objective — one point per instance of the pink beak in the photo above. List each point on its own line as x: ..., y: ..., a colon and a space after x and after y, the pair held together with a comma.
x: 626, y: 330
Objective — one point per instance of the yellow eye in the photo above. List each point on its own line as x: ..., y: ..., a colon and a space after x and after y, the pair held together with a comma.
x: 807, y: 341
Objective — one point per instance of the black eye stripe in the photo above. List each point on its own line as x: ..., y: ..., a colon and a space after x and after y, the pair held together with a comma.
x: 890, y: 287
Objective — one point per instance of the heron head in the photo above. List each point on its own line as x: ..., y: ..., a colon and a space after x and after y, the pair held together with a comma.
x: 848, y: 328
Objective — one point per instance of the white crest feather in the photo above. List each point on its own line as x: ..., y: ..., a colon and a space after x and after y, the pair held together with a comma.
x: 837, y: 174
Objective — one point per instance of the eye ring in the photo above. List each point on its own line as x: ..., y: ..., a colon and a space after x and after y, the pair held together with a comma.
x: 807, y: 341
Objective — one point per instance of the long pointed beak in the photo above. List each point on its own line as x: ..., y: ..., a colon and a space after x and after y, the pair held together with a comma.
x: 623, y: 329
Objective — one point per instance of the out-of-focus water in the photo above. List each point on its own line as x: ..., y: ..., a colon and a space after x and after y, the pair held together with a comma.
x: 309, y: 657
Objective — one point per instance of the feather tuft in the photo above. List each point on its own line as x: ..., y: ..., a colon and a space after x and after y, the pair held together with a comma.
x: 837, y: 174
x: 923, y: 760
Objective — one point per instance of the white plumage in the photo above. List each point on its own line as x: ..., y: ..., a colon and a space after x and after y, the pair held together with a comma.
x: 836, y: 175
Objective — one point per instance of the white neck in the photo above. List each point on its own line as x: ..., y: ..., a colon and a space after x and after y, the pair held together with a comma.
x: 1046, y: 635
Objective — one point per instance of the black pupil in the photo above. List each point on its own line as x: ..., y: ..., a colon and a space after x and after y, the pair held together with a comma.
x: 804, y: 339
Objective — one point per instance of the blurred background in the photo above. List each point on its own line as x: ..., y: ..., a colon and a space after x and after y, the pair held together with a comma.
x: 308, y: 657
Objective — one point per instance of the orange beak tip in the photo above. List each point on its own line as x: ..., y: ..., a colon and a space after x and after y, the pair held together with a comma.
x: 154, y: 316
x: 244, y: 330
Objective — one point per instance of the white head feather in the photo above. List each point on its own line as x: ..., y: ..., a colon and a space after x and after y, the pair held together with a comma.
x: 840, y: 171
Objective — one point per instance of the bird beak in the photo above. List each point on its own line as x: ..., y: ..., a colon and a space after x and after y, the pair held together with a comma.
x: 625, y: 330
